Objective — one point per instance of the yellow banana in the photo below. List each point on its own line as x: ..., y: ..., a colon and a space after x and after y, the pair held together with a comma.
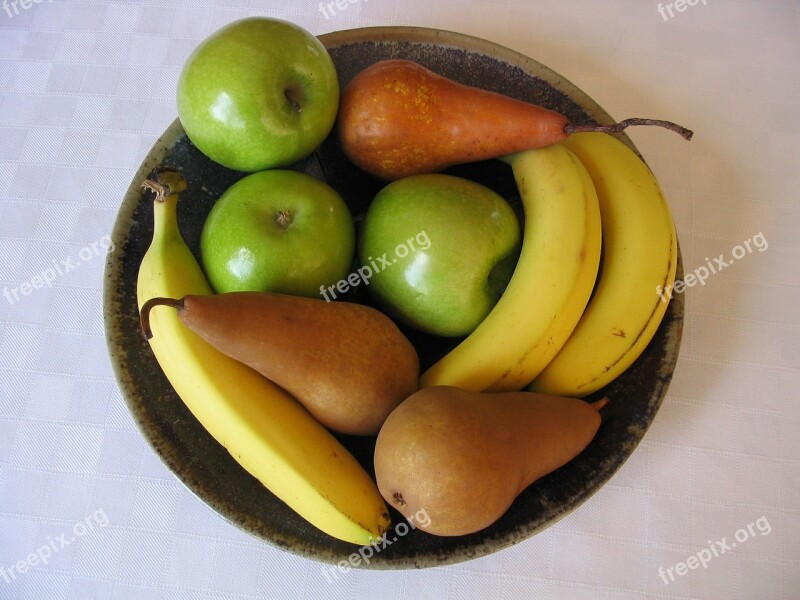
x: 268, y: 432
x: 640, y: 250
x: 550, y: 286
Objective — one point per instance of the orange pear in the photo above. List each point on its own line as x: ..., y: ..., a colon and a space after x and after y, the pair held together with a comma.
x: 398, y: 118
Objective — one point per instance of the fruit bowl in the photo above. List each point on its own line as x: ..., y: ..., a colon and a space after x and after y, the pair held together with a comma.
x: 212, y: 474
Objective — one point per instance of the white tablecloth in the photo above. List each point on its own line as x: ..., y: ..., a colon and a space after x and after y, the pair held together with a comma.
x: 87, y: 88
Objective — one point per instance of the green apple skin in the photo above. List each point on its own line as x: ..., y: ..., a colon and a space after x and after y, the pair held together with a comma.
x: 278, y: 231
x: 258, y: 94
x: 448, y: 288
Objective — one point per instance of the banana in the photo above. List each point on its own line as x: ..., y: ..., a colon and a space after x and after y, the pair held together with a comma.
x: 550, y: 286
x: 640, y: 249
x: 268, y: 432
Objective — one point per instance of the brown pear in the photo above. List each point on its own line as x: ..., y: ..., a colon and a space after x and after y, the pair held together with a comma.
x: 398, y: 118
x: 348, y: 364
x: 461, y: 457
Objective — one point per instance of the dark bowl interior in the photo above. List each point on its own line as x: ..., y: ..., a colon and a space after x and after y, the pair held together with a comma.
x: 211, y: 473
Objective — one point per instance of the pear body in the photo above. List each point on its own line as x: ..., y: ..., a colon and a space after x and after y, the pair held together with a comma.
x: 398, y: 118
x: 463, y: 457
x: 348, y: 364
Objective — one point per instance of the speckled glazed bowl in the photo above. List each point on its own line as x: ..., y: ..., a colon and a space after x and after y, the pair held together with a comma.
x: 210, y: 472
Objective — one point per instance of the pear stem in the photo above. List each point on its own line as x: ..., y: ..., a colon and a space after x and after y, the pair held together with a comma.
x: 617, y: 127
x: 598, y: 404
x: 144, y: 313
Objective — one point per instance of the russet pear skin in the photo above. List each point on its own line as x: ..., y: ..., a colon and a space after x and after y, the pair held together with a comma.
x: 463, y: 457
x: 398, y: 118
x: 347, y: 363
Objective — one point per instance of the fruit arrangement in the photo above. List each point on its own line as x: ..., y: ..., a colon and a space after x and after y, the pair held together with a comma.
x: 272, y: 372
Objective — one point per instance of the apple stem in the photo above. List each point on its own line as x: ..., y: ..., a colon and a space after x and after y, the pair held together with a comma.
x: 144, y: 313
x: 290, y: 94
x: 617, y: 127
x: 283, y: 218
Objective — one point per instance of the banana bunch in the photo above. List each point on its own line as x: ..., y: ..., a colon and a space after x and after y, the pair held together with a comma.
x: 546, y: 332
x: 269, y: 433
x: 640, y: 252
x: 550, y: 286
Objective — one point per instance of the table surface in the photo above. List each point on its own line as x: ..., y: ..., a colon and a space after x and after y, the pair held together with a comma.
x: 88, y: 87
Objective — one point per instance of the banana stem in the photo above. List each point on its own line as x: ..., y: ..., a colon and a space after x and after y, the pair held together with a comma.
x: 165, y: 183
x: 617, y: 127
x: 144, y: 313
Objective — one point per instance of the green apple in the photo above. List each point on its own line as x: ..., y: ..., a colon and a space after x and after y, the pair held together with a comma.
x: 257, y: 94
x: 278, y: 231
x: 446, y: 248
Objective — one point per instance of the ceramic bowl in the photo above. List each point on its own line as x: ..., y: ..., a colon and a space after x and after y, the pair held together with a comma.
x: 211, y: 473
